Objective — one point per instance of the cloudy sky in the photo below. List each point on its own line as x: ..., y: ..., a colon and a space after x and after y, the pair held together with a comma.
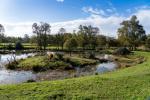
x: 17, y: 16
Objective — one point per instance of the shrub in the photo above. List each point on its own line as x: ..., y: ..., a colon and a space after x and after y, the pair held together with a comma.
x: 59, y: 56
x: 89, y: 55
x: 31, y: 80
x: 10, y: 47
x: 18, y: 46
x: 12, y: 65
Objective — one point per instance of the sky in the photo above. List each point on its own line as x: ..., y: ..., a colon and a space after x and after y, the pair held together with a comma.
x: 17, y: 16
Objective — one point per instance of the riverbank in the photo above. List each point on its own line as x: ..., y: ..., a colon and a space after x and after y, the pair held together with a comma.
x: 130, y: 83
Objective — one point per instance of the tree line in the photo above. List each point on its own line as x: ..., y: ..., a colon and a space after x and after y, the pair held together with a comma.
x: 131, y: 34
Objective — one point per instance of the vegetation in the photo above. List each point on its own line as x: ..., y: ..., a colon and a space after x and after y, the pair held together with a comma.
x: 71, y: 44
x: 131, y: 33
x: 41, y: 31
x: 18, y: 46
x: 80, y: 62
x: 128, y: 83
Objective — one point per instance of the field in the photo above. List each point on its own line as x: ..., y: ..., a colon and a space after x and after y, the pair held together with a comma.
x: 123, y: 84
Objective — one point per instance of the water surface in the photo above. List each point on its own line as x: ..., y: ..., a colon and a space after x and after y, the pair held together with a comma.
x: 106, y: 67
x: 13, y: 77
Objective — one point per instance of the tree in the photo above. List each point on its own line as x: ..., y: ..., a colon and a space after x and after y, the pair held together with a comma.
x: 71, y: 44
x: 131, y: 34
x: 101, y: 40
x: 147, y: 44
x: 41, y: 31
x: 18, y: 45
x: 33, y: 39
x: 87, y: 36
x: 2, y: 30
x: 61, y: 37
x: 26, y: 38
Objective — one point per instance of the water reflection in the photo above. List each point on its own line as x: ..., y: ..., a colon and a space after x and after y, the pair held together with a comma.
x: 105, y: 67
x: 13, y: 77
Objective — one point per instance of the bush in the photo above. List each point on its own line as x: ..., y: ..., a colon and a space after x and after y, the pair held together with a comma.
x: 12, y: 65
x: 89, y: 55
x: 122, y: 51
x: 59, y: 56
x: 10, y: 47
x: 31, y: 80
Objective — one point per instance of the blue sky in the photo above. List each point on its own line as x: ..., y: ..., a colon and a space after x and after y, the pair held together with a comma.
x: 18, y: 15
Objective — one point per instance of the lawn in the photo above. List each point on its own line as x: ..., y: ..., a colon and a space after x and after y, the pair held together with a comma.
x: 132, y: 83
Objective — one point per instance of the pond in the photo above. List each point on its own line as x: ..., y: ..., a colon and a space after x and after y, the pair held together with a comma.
x: 14, y: 77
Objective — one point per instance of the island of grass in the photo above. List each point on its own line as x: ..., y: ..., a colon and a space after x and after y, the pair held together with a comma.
x: 42, y: 63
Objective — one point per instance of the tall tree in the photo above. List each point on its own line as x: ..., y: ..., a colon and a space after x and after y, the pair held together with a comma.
x: 41, y: 31
x: 87, y: 36
x: 2, y: 30
x: 26, y: 38
x: 131, y: 33
x: 147, y: 42
x: 101, y: 40
x: 61, y: 37
x: 71, y: 44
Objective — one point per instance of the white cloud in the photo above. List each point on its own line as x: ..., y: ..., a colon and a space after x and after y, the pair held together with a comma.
x: 18, y: 29
x: 106, y: 24
x: 144, y: 17
x: 60, y: 0
x: 95, y: 11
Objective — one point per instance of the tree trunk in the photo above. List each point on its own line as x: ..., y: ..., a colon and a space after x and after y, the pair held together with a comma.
x: 70, y: 52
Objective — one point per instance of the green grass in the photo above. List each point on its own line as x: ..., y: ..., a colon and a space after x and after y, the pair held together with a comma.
x: 29, y: 63
x: 77, y: 61
x: 40, y: 63
x: 131, y: 83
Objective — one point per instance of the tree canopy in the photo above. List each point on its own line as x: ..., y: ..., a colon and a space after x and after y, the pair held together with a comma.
x: 131, y: 33
x: 41, y: 30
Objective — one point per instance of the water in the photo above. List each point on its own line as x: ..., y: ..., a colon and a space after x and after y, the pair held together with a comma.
x: 105, y: 67
x: 13, y: 77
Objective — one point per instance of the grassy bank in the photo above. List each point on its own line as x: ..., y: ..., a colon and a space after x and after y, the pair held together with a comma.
x: 124, y: 84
